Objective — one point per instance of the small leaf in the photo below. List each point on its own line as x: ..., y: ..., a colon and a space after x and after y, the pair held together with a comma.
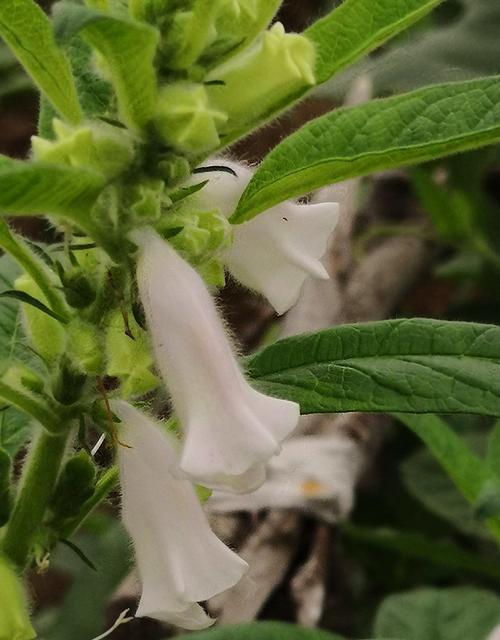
x: 28, y: 32
x: 27, y: 299
x: 408, y: 129
x: 359, y: 26
x: 411, y: 366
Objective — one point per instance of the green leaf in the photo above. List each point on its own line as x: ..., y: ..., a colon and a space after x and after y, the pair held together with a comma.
x: 262, y: 631
x: 408, y: 129
x: 426, y: 481
x: 28, y: 32
x: 444, y: 614
x: 15, y: 429
x: 41, y: 188
x: 414, y: 366
x: 415, y: 545
x: 128, y: 47
x: 359, y: 26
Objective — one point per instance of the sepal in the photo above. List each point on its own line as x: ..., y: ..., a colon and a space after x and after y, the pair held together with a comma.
x: 14, y: 617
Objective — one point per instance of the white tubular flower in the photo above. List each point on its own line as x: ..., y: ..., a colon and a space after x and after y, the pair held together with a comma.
x: 180, y: 560
x: 274, y: 252
x: 231, y: 430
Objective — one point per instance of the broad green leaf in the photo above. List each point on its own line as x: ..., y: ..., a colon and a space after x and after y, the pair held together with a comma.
x: 438, y: 614
x: 15, y: 429
x: 42, y: 188
x: 359, y: 26
x: 262, y: 631
x: 414, y: 366
x: 426, y: 481
x: 416, y: 545
x: 408, y: 129
x: 128, y: 48
x: 27, y: 30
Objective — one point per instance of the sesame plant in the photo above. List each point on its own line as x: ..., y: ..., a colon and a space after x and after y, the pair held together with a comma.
x: 139, y: 100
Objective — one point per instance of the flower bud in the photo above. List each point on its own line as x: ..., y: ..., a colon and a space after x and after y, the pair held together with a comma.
x: 85, y: 347
x: 186, y: 120
x: 68, y: 382
x: 14, y: 617
x: 77, y: 289
x: 102, y: 147
x: 254, y: 83
x: 75, y: 486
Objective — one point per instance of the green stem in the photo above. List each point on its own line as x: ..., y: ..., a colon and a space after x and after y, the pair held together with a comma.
x: 37, y: 483
x: 35, y: 268
x: 29, y: 405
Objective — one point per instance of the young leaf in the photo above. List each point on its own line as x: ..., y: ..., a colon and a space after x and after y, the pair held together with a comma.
x: 28, y: 32
x: 448, y: 614
x: 128, y: 47
x: 40, y: 188
x: 359, y: 26
x: 414, y: 366
x: 408, y: 129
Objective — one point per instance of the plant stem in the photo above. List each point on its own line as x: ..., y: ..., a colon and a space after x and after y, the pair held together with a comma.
x: 29, y: 405
x: 39, y: 477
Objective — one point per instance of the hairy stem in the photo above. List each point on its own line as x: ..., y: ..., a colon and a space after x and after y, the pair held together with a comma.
x: 37, y: 483
x: 28, y: 404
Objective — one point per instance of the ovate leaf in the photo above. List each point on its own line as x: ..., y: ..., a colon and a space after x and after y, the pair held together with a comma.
x: 359, y: 26
x: 27, y: 30
x: 415, y: 366
x: 444, y: 614
x: 408, y: 129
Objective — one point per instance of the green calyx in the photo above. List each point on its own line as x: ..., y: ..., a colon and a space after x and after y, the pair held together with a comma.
x: 14, y: 617
x: 97, y: 145
x: 75, y: 486
x: 186, y: 120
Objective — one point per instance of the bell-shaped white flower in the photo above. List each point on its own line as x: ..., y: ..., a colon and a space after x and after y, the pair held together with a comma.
x: 231, y: 430
x: 274, y: 252
x: 180, y: 560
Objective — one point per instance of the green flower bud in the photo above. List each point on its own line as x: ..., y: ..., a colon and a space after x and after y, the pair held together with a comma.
x: 254, y: 83
x: 14, y: 617
x: 85, y: 347
x: 78, y: 290
x: 75, y: 486
x: 147, y: 200
x: 186, y: 120
x: 98, y: 146
x: 156, y: 12
x: 238, y: 24
x: 174, y: 170
x: 198, y: 236
x: 5, y: 495
x: 68, y: 382
x: 129, y: 358
x: 46, y: 334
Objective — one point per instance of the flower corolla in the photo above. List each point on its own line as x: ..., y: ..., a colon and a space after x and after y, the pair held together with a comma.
x: 180, y: 560
x: 230, y: 429
x: 274, y: 252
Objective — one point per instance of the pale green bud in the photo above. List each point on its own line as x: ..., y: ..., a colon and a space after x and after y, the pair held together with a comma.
x: 129, y: 358
x: 98, y: 146
x: 46, y: 334
x: 85, y: 347
x: 199, y: 235
x: 254, y: 83
x: 238, y: 24
x: 14, y: 617
x: 148, y: 198
x: 191, y: 33
x: 186, y: 120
